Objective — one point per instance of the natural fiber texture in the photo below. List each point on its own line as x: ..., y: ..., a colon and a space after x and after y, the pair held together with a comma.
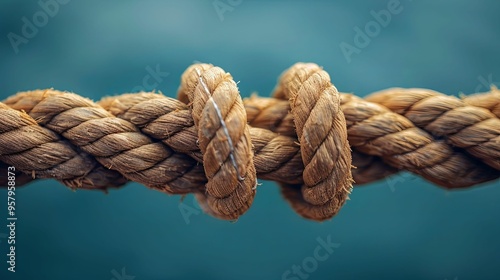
x: 322, y: 135
x: 488, y: 100
x: 223, y: 137
x: 202, y: 144
x: 374, y: 130
x: 44, y: 154
x: 474, y: 129
x: 114, y: 142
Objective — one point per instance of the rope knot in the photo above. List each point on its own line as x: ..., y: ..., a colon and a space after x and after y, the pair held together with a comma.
x: 202, y: 144
x: 321, y: 130
x: 223, y: 138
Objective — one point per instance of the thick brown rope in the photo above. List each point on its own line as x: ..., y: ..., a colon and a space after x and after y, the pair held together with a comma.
x: 488, y: 100
x: 472, y: 128
x: 42, y: 152
x: 322, y: 135
x: 374, y: 130
x: 115, y: 143
x: 206, y: 147
x: 223, y: 137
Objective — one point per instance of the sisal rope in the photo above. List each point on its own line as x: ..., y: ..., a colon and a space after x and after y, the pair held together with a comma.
x: 212, y: 143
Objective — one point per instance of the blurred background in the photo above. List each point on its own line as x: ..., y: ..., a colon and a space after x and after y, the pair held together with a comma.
x: 399, y: 228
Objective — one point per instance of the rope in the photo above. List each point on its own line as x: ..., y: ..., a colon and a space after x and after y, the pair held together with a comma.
x: 488, y: 100
x: 212, y: 143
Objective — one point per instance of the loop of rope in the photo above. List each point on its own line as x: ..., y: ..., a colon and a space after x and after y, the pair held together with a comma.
x: 212, y: 143
x: 322, y: 135
x: 223, y: 137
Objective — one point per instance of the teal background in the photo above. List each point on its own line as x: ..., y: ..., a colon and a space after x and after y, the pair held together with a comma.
x: 402, y: 228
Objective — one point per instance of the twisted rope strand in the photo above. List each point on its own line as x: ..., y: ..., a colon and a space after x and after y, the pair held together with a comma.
x: 374, y: 130
x: 42, y: 153
x: 202, y: 143
x: 471, y: 128
x: 114, y: 142
x: 223, y: 137
x: 488, y: 100
x: 276, y: 157
x: 322, y: 135
x: 276, y: 152
x: 274, y: 114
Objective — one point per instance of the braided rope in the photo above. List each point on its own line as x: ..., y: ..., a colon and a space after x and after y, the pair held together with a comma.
x: 212, y: 143
x: 487, y: 100
x: 474, y: 129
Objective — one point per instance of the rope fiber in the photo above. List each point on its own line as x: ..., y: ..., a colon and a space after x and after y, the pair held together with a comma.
x: 312, y: 140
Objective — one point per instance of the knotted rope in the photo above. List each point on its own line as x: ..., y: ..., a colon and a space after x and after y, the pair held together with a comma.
x: 212, y: 143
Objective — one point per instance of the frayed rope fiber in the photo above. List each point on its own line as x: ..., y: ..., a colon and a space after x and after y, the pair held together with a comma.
x: 311, y: 139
